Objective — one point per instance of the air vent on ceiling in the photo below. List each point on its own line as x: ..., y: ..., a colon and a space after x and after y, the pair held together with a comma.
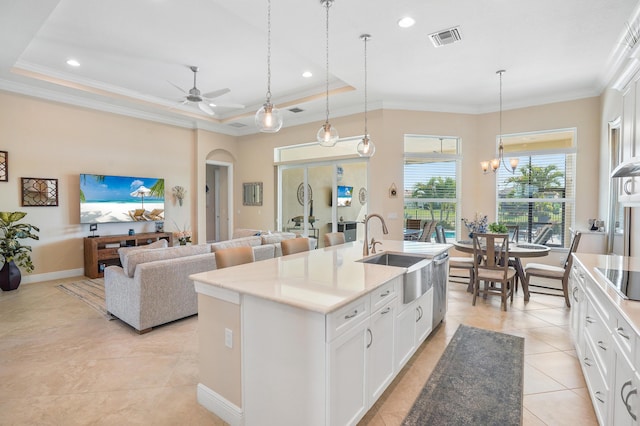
x: 236, y: 124
x: 444, y: 37
x: 296, y: 110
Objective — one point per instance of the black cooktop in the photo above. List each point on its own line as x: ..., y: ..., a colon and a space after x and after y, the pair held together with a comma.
x: 627, y: 283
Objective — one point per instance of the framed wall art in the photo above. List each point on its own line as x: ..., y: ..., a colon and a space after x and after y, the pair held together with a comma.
x: 39, y: 192
x: 4, y: 166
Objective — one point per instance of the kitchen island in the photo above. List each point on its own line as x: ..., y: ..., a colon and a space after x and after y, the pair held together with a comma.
x: 312, y: 338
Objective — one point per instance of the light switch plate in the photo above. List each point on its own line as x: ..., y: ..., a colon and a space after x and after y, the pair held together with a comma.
x: 228, y: 338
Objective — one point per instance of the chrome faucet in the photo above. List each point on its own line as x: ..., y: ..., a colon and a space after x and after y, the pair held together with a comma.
x: 365, y: 247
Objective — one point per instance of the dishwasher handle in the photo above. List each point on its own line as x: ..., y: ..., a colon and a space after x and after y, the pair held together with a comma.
x: 441, y: 259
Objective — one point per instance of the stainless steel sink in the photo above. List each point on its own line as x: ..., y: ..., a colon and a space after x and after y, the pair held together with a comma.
x: 417, y: 277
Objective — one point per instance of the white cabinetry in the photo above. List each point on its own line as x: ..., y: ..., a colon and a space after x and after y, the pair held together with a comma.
x: 629, y: 188
x: 606, y: 345
x: 361, y: 363
x: 413, y: 324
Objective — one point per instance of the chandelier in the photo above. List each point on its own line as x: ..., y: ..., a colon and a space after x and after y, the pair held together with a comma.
x: 495, y: 163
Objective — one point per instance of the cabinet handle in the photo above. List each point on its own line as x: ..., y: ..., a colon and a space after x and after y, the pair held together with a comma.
x: 574, y: 294
x: 386, y: 311
x: 633, y: 391
x: 601, y: 345
x: 621, y: 332
x: 351, y: 315
x: 590, y: 320
x: 599, y: 397
x: 626, y: 187
x: 587, y: 362
x: 385, y: 294
x: 419, y: 310
x: 370, y: 338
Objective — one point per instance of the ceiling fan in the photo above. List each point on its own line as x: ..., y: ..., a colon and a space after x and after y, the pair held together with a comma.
x: 204, y: 101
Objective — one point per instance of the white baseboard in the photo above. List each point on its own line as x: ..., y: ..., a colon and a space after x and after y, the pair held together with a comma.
x: 36, y: 278
x: 220, y: 406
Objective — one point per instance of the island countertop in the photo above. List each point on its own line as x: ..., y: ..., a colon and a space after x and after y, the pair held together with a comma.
x: 321, y: 280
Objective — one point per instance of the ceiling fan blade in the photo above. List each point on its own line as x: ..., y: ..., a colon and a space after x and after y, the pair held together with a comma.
x: 216, y: 93
x: 227, y: 105
x: 206, y: 108
x: 177, y: 87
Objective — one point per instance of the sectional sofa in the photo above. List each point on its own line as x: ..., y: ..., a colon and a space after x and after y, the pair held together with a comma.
x: 152, y: 286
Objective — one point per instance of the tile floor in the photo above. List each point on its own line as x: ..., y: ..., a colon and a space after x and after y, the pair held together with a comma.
x: 62, y: 363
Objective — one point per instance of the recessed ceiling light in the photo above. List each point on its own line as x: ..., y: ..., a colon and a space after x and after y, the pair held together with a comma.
x: 307, y: 74
x: 406, y: 22
x: 73, y: 63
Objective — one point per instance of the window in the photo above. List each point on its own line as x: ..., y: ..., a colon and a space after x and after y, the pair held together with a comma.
x: 540, y: 197
x: 431, y: 186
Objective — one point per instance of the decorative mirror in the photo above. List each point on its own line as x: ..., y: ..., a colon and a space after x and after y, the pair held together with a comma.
x: 252, y: 194
x: 39, y: 192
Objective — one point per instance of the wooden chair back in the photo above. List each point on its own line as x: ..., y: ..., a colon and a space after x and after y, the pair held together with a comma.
x: 493, y: 249
x: 413, y: 223
x: 233, y: 256
x: 294, y: 245
x: 514, y: 231
x: 333, y: 238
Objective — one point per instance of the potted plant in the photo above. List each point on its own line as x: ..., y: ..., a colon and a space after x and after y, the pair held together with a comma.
x: 12, y: 252
x: 498, y: 228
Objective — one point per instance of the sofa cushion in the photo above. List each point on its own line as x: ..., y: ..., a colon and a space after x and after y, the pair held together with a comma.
x: 244, y: 232
x: 143, y: 256
x: 125, y: 251
x: 276, y: 237
x: 236, y: 242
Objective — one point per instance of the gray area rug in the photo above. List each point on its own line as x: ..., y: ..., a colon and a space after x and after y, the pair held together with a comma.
x: 90, y: 291
x: 477, y: 381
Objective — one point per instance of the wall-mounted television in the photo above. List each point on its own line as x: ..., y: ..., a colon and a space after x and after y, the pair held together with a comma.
x: 344, y: 195
x: 105, y: 199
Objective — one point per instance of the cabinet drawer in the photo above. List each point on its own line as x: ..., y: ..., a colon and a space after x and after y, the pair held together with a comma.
x: 596, y: 382
x: 599, y: 299
x: 597, y: 333
x: 347, y: 317
x: 624, y: 335
x: 385, y: 293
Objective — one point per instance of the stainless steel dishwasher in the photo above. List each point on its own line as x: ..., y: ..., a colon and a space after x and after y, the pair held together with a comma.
x: 439, y: 272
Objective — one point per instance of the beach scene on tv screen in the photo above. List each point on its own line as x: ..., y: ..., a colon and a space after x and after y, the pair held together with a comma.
x: 120, y: 199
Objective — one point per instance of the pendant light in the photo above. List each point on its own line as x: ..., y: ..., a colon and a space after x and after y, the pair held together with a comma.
x: 327, y: 135
x: 268, y: 118
x: 365, y: 148
x: 495, y: 163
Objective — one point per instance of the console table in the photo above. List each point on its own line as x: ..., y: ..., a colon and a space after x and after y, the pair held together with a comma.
x: 100, y: 252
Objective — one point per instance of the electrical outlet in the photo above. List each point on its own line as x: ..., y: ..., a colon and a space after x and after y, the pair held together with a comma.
x: 228, y: 338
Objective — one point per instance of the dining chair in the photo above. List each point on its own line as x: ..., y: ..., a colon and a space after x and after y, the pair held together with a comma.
x: 233, y: 256
x: 427, y: 231
x: 333, y: 239
x: 494, y: 268
x: 514, y: 233
x: 294, y: 245
x: 414, y: 224
x: 457, y: 263
x: 553, y: 273
x: 544, y: 234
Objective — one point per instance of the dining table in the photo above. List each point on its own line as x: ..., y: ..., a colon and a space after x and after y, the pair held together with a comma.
x: 517, y: 251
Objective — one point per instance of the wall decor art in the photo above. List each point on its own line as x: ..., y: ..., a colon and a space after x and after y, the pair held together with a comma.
x: 4, y: 166
x: 252, y: 194
x: 362, y: 196
x: 39, y: 192
x: 301, y: 193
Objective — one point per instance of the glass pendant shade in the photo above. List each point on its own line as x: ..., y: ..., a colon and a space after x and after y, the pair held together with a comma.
x: 327, y: 135
x: 269, y: 118
x: 366, y: 148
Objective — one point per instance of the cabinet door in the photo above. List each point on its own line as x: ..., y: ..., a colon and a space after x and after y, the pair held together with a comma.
x: 578, y: 313
x: 405, y: 334
x: 628, y: 122
x: 347, y: 375
x: 424, y: 316
x: 381, y: 350
x: 626, y: 407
